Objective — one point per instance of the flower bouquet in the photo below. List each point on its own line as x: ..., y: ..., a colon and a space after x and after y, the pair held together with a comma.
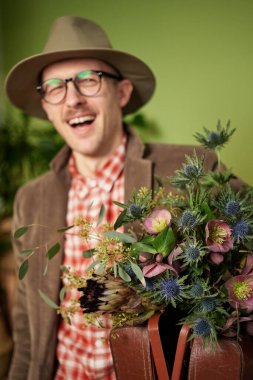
x: 191, y: 249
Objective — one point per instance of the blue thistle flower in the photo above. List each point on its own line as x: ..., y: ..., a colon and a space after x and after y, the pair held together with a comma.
x: 196, y: 290
x: 134, y: 210
x: 191, y: 171
x: 188, y: 220
x: 214, y: 138
x: 232, y: 208
x: 201, y: 327
x: 169, y: 288
x: 241, y: 229
x: 192, y: 252
x: 207, y: 305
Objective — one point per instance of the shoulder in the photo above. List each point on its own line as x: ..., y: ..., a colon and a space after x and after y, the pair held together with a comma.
x: 171, y: 156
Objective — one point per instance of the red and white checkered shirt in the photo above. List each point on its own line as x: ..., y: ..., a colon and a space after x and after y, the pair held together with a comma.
x: 83, y: 351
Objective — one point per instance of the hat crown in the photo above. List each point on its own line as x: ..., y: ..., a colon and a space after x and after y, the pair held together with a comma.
x: 75, y: 33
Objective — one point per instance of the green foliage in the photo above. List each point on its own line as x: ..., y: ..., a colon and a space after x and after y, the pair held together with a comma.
x: 25, y: 153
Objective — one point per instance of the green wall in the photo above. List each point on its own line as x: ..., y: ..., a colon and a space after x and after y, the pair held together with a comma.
x: 200, y: 50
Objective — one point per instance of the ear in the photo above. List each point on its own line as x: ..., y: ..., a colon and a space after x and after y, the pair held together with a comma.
x: 125, y: 91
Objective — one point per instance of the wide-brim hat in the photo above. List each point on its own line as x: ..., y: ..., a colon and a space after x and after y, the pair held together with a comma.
x: 76, y: 37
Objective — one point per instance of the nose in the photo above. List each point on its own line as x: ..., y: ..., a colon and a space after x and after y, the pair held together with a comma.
x: 73, y: 97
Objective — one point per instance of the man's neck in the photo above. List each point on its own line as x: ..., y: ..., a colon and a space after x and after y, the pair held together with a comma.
x: 88, y: 165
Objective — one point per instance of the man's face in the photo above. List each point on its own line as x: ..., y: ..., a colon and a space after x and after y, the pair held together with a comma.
x: 91, y: 126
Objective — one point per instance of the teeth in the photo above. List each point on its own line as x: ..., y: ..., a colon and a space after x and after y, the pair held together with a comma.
x: 81, y: 120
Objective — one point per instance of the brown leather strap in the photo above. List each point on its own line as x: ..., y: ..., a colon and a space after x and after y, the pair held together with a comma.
x: 180, y: 352
x: 132, y: 354
x: 156, y: 347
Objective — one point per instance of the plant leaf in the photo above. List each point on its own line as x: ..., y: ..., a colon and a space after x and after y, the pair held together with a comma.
x: 138, y: 273
x: 115, y: 269
x: 62, y: 293
x: 123, y: 274
x: 141, y: 247
x: 120, y: 204
x: 48, y: 301
x: 125, y: 238
x: 120, y: 220
x: 100, y: 269
x: 20, y: 231
x: 89, y: 253
x: 93, y: 264
x: 53, y: 250
x: 165, y: 241
x: 23, y: 269
x: 101, y: 214
x: 26, y: 251
x: 63, y: 229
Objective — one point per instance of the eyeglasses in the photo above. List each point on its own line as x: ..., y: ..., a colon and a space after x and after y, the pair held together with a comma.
x: 87, y: 83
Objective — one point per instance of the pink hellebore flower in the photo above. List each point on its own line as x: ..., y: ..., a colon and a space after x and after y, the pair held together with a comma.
x: 240, y: 291
x: 157, y: 221
x: 218, y: 236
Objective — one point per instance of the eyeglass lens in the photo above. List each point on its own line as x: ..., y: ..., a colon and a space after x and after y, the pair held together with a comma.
x: 86, y: 83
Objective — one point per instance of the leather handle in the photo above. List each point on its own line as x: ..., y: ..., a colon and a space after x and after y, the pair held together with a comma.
x: 156, y: 347
x: 180, y: 352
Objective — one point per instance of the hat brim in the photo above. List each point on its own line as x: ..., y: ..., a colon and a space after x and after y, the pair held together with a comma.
x: 22, y: 80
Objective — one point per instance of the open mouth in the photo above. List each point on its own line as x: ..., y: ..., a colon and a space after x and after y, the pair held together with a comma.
x: 81, y: 121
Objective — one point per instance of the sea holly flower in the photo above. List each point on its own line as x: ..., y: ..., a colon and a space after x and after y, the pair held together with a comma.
x: 191, y: 172
x: 188, y: 220
x: 241, y: 230
x: 218, y: 236
x: 201, y: 327
x: 170, y: 289
x: 157, y: 221
x: 240, y: 292
x: 215, y: 139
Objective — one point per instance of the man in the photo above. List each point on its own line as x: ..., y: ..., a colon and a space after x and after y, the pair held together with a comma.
x: 84, y: 87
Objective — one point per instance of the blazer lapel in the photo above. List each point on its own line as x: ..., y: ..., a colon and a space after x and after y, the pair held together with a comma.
x: 138, y: 170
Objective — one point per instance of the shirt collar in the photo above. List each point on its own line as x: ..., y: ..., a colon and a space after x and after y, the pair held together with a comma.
x: 104, y: 177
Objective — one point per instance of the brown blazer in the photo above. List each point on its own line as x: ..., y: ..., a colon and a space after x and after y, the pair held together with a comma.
x: 43, y: 201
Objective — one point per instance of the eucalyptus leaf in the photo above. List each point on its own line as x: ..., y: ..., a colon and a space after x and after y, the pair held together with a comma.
x: 123, y: 274
x: 48, y: 301
x: 100, y: 269
x: 20, y: 231
x: 115, y: 269
x: 101, y: 214
x: 93, y: 264
x: 63, y: 229
x: 138, y: 273
x: 89, y: 253
x: 46, y: 268
x: 23, y: 269
x: 53, y: 250
x: 62, y: 293
x: 125, y: 238
x: 26, y: 251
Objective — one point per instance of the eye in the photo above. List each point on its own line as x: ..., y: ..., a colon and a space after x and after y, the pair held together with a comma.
x: 53, y: 86
x: 87, y: 79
